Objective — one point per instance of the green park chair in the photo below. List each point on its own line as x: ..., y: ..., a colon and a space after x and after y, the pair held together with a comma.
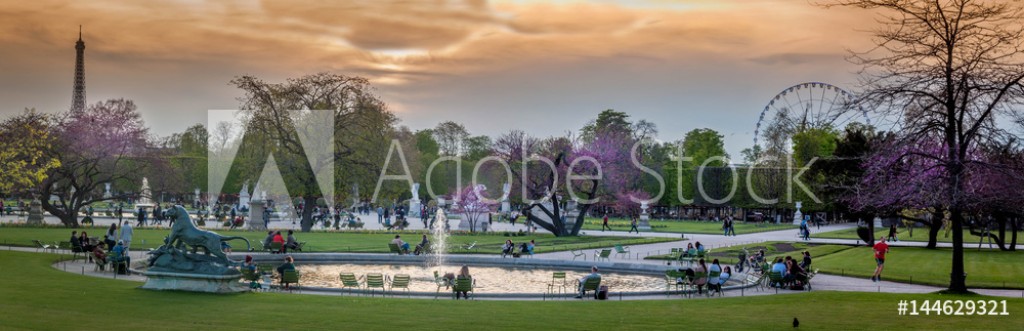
x: 672, y: 281
x: 290, y: 277
x: 714, y: 275
x: 695, y: 284
x: 620, y: 250
x: 275, y: 247
x: 775, y: 279
x: 602, y: 254
x: 400, y: 281
x: 558, y: 283
x: 462, y: 284
x: 349, y: 281
x: 440, y: 282
x: 395, y: 249
x: 592, y: 284
x: 578, y: 253
x: 252, y: 277
x: 374, y: 281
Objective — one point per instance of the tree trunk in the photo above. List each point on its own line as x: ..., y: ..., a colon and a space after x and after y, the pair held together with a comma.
x: 957, y: 277
x: 933, y: 233
x: 306, y: 224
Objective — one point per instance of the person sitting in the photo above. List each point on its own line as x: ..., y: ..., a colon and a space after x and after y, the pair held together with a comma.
x: 530, y: 246
x: 779, y: 268
x: 583, y: 281
x: 225, y: 247
x: 86, y: 243
x: 700, y: 281
x: 422, y: 246
x: 690, y: 251
x: 289, y: 264
x: 797, y: 275
x: 280, y: 240
x: 291, y: 243
x: 404, y: 246
x: 120, y: 256
x: 250, y: 265
x: 714, y: 283
x: 269, y: 239
x: 700, y: 248
x: 463, y: 274
x: 508, y: 248
x: 806, y: 261
x: 726, y: 274
x: 76, y: 243
x: 99, y: 254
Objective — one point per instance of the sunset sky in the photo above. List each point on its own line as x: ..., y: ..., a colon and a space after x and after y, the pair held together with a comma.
x: 542, y: 66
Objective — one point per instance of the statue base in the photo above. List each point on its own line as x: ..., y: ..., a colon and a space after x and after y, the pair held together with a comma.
x: 169, y: 281
x: 644, y: 224
x: 35, y: 212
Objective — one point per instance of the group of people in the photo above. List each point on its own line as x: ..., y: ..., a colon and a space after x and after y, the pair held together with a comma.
x: 634, y: 220
x: 728, y: 226
x: 711, y: 282
x: 97, y: 250
x: 286, y: 243
x: 509, y: 248
x: 794, y: 273
x: 693, y: 250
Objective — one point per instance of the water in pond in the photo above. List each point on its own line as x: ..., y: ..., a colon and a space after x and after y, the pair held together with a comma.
x: 488, y: 279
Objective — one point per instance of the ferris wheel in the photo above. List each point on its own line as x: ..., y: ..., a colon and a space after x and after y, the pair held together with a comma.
x: 805, y: 106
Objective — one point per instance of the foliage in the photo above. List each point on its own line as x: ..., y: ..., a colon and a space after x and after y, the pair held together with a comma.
x: 24, y: 142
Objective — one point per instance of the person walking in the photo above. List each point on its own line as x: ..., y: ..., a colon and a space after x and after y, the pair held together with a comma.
x: 632, y: 225
x: 604, y: 223
x: 880, y: 248
x: 126, y: 235
x: 892, y: 232
x: 141, y: 217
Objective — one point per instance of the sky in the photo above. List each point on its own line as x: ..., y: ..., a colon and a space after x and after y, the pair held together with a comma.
x: 545, y: 67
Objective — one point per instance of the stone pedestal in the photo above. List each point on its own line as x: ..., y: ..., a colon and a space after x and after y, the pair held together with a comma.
x: 798, y: 217
x: 35, y: 212
x: 506, y: 207
x: 256, y: 221
x: 415, y: 207
x: 644, y: 224
x: 193, y: 282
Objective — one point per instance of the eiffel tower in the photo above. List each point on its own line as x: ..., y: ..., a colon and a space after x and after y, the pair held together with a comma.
x: 78, y: 98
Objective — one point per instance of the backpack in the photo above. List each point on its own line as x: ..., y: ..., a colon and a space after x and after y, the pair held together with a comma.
x: 602, y: 292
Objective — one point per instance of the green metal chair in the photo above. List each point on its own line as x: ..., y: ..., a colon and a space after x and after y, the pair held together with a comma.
x: 395, y: 249
x: 775, y: 279
x: 440, y: 282
x: 275, y: 247
x: 290, y: 277
x: 676, y: 279
x: 252, y: 277
x: 620, y: 250
x: 462, y: 284
x: 558, y: 282
x: 374, y: 281
x: 602, y: 254
x: 400, y: 281
x: 349, y: 281
x: 592, y: 284
x: 714, y: 275
x: 695, y: 284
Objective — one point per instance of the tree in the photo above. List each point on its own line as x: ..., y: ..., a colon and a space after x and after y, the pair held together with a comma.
x: 702, y: 146
x: 946, y: 69
x: 105, y: 143
x: 275, y: 113
x: 24, y: 142
x: 450, y: 137
x: 473, y: 203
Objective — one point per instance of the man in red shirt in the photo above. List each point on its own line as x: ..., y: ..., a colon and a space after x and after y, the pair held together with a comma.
x: 880, y: 249
x: 604, y: 225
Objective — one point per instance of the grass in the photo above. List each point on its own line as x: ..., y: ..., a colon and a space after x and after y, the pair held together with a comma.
x: 920, y: 234
x: 730, y: 255
x: 985, y: 268
x: 347, y: 241
x: 699, y: 227
x: 38, y: 296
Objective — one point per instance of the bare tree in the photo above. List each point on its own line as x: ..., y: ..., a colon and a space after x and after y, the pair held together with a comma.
x: 947, y: 69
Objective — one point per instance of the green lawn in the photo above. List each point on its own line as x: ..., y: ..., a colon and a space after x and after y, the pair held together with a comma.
x: 347, y: 241
x: 38, y: 296
x: 730, y: 255
x: 672, y: 226
x: 985, y: 269
x: 920, y: 234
